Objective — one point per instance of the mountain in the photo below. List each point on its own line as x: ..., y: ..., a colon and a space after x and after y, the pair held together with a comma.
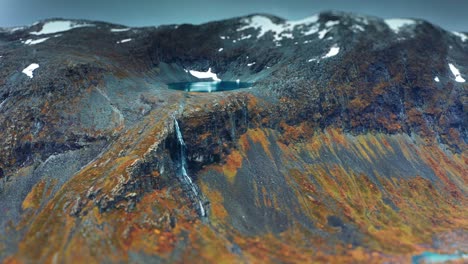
x: 348, y: 146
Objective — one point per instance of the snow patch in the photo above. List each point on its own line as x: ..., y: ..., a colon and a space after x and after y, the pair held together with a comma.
x: 280, y: 31
x: 205, y: 75
x: 322, y: 33
x: 59, y: 26
x: 124, y: 40
x: 250, y: 64
x: 363, y: 20
x: 331, y: 23
x: 119, y: 29
x: 288, y: 35
x: 437, y: 79
x: 357, y: 28
x: 244, y: 37
x: 34, y: 42
x: 220, y: 49
x: 29, y: 70
x: 305, y: 21
x: 15, y: 29
x: 396, y: 24
x: 308, y: 21
x: 334, y: 50
x: 312, y: 30
x: 456, y: 73
x: 460, y: 35
x: 264, y: 24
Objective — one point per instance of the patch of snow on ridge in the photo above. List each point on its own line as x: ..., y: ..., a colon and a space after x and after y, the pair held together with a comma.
x: 34, y: 42
x: 119, y: 29
x: 396, y: 24
x: 322, y: 33
x: 328, y: 26
x: 305, y: 21
x: 456, y: 73
x: 264, y: 24
x: 245, y: 37
x: 280, y: 31
x: 59, y: 26
x: 363, y: 20
x: 16, y: 29
x: 29, y: 70
x: 332, y: 23
x: 437, y: 79
x: 312, y: 30
x: 460, y: 35
x: 357, y: 28
x: 205, y: 75
x: 250, y: 64
x: 334, y: 50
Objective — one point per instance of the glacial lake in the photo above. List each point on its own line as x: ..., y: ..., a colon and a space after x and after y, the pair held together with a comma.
x: 208, y: 87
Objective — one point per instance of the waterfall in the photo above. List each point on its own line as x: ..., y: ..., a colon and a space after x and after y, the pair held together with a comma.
x: 183, y: 175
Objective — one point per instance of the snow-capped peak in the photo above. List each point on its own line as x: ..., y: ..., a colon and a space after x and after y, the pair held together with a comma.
x: 396, y: 24
x: 282, y: 30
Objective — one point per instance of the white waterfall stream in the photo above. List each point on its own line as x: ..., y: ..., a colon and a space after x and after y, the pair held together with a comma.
x: 184, y: 177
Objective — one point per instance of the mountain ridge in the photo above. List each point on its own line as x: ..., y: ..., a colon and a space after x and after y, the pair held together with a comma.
x: 277, y: 18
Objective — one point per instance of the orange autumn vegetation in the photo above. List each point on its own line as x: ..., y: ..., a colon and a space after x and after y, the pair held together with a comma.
x: 233, y: 163
x: 322, y: 190
x: 34, y: 198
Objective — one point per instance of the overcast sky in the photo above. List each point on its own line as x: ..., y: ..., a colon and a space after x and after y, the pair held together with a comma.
x: 450, y: 14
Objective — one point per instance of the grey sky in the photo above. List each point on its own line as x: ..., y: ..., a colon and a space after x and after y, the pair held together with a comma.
x: 450, y: 14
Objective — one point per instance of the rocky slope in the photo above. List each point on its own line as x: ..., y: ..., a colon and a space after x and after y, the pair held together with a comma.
x: 349, y: 147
